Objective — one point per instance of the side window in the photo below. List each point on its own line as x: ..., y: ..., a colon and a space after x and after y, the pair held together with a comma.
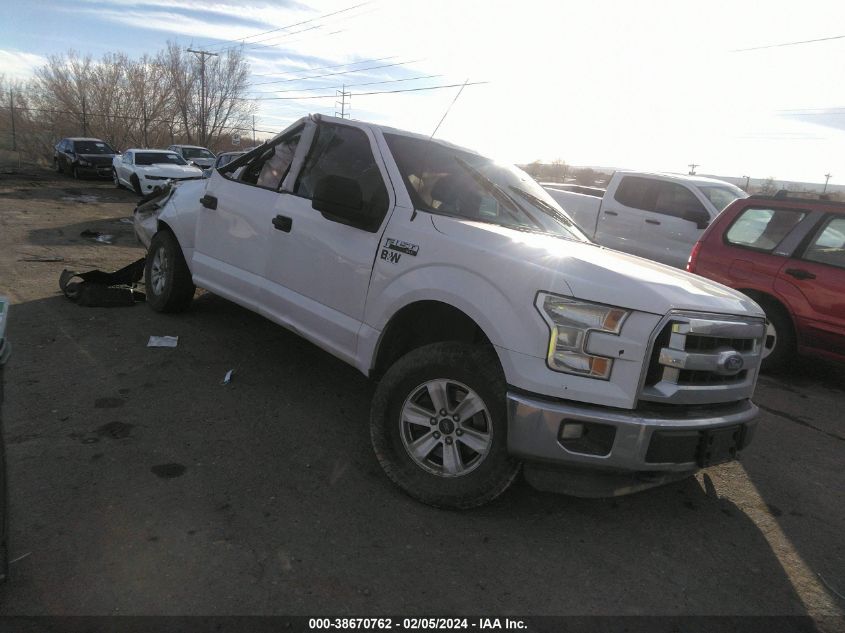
x: 127, y: 158
x: 762, y: 229
x: 269, y: 168
x: 637, y: 193
x: 345, y: 151
x: 676, y: 200
x: 828, y: 247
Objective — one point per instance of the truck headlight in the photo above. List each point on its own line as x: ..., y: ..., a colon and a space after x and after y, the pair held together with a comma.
x: 570, y: 322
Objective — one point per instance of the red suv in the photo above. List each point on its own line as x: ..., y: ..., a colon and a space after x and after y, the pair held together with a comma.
x: 788, y: 254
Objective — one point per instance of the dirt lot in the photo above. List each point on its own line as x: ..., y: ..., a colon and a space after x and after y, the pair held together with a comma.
x: 140, y: 484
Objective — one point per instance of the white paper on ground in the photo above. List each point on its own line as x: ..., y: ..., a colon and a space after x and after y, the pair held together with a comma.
x: 163, y: 341
x: 228, y: 377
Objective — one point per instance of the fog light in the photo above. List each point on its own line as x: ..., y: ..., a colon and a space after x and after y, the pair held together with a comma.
x: 571, y: 431
x: 588, y: 438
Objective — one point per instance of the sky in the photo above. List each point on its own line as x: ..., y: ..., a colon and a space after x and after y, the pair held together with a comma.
x: 651, y: 85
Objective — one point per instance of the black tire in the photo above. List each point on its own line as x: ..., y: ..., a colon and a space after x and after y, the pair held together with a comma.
x: 115, y: 178
x: 783, y: 350
x: 75, y: 173
x: 167, y: 280
x: 136, y: 184
x: 475, y: 367
x: 57, y: 165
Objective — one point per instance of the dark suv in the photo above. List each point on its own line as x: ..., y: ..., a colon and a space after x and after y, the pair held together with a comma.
x: 788, y: 254
x: 83, y: 157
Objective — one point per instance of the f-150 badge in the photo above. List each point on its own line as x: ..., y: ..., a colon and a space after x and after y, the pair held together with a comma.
x: 393, y: 250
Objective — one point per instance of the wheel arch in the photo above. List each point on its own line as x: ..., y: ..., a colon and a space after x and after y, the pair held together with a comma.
x: 420, y: 323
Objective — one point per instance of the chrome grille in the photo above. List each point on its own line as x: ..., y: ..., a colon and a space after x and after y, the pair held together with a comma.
x: 702, y: 359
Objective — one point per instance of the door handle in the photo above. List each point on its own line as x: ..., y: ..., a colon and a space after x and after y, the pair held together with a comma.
x: 799, y: 273
x: 282, y: 223
x: 652, y: 222
x: 610, y: 213
x: 209, y: 202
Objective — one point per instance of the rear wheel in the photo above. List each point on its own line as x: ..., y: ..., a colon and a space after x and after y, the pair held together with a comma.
x: 439, y: 425
x: 779, y: 344
x: 167, y: 278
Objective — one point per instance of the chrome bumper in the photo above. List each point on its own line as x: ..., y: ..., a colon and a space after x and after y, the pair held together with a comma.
x: 534, y: 427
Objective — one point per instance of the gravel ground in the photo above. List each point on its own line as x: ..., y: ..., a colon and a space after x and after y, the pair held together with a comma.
x: 139, y: 484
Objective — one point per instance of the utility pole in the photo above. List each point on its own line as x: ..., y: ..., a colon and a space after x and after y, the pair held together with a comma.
x: 692, y: 167
x: 827, y: 177
x: 12, y: 117
x: 84, y: 118
x: 344, y: 111
x: 747, y: 180
x: 144, y: 114
x: 253, y: 130
x: 202, y: 55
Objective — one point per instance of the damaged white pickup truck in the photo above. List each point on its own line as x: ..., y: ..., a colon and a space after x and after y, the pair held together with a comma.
x: 499, y: 335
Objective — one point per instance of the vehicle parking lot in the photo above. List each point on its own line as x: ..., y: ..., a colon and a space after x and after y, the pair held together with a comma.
x: 139, y: 484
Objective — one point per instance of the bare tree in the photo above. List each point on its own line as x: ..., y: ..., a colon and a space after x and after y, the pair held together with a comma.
x: 226, y: 83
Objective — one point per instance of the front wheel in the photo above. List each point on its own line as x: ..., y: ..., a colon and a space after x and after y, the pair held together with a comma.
x: 114, y: 177
x: 167, y: 278
x: 75, y: 173
x: 439, y: 425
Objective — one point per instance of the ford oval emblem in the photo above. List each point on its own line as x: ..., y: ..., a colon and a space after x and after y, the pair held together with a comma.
x: 734, y: 362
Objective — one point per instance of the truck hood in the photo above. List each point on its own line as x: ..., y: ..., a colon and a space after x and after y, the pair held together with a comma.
x: 595, y: 273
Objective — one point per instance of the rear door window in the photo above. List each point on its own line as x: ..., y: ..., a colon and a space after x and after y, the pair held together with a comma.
x: 269, y: 168
x: 761, y: 228
x: 676, y: 200
x: 828, y: 247
x: 637, y: 193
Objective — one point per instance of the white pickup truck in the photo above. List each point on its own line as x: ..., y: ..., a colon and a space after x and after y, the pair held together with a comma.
x: 498, y: 333
x: 657, y: 216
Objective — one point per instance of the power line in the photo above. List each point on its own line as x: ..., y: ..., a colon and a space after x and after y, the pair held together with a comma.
x: 760, y: 48
x: 362, y: 94
x: 367, y: 83
x: 275, y: 40
x: 345, y: 72
x: 362, y: 61
x: 289, y: 26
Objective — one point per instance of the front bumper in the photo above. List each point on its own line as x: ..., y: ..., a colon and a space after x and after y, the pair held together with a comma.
x: 100, y: 171
x: 667, y: 439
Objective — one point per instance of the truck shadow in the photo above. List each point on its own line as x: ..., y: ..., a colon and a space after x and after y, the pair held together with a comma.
x: 268, y: 485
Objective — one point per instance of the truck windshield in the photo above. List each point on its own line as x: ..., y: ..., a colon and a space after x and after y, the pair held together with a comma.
x: 449, y: 181
x: 721, y: 196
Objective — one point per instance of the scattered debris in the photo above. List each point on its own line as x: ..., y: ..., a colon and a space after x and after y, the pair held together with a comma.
x: 104, y: 290
x: 228, y: 377
x: 127, y: 221
x: 54, y: 258
x: 20, y: 558
x: 163, y: 341
x: 103, y: 238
